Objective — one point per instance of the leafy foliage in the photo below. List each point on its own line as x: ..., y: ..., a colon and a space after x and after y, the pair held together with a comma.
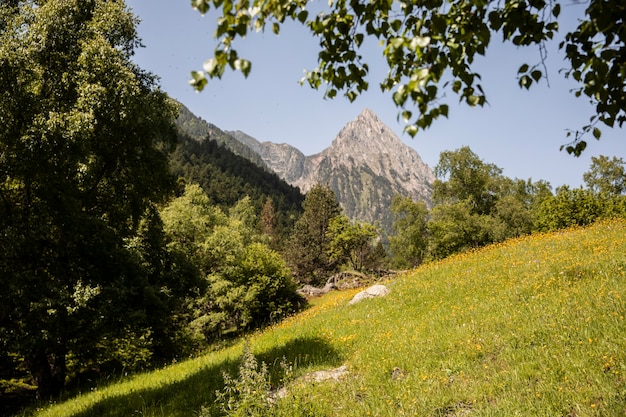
x: 463, y: 176
x: 578, y: 207
x: 247, y: 283
x: 476, y: 205
x: 248, y: 394
x: 430, y: 48
x: 595, y: 50
x: 456, y: 228
x: 351, y: 241
x: 606, y: 176
x: 409, y: 239
x: 84, y: 141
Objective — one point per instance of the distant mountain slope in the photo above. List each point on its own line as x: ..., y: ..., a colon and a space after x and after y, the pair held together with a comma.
x: 366, y: 165
x: 226, y: 170
x: 197, y: 128
x: 288, y: 162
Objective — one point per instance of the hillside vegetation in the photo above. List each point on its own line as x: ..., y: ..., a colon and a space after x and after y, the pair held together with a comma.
x: 533, y: 326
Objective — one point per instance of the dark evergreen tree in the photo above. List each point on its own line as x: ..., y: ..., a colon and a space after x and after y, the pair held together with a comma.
x: 308, y: 248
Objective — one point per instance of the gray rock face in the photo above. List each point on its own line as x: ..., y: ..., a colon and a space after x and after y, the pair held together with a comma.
x: 288, y: 162
x: 366, y: 165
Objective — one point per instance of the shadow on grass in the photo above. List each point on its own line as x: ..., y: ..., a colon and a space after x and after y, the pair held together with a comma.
x: 187, y: 396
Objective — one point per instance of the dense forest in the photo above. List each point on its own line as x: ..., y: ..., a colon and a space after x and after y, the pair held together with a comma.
x: 129, y: 242
x: 226, y: 177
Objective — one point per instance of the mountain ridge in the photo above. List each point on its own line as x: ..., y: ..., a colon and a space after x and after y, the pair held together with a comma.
x: 365, y: 165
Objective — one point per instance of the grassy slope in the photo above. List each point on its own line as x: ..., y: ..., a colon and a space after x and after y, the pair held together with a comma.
x: 532, y: 327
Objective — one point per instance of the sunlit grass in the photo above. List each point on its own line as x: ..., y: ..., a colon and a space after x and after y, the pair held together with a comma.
x: 533, y: 326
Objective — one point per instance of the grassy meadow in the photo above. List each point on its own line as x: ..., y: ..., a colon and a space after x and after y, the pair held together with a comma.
x: 529, y: 327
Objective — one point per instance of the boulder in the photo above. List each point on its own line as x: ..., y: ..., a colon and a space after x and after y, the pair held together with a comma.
x: 377, y: 290
x: 334, y: 374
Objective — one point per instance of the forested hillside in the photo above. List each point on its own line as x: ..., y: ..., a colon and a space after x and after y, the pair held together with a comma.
x: 226, y: 170
x: 197, y: 128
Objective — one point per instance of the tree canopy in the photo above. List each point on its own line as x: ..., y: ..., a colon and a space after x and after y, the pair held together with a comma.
x: 84, y: 141
x: 430, y: 47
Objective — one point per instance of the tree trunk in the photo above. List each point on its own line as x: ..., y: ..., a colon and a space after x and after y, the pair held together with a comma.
x: 48, y: 371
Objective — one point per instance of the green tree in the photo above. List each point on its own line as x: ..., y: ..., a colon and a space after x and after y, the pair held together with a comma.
x: 247, y: 284
x: 517, y: 205
x: 350, y: 241
x: 569, y: 207
x: 410, y: 237
x: 463, y: 176
x: 578, y: 207
x: 454, y: 228
x: 169, y: 281
x: 606, y: 176
x: 84, y: 139
x: 189, y: 221
x: 309, y: 243
x: 476, y: 205
x: 255, y: 289
x: 430, y: 48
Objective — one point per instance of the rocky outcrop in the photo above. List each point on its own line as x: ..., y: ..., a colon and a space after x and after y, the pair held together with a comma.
x: 288, y: 162
x: 366, y: 165
x: 377, y: 290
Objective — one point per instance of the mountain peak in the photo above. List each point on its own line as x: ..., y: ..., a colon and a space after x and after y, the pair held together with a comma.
x: 366, y: 165
x: 366, y: 136
x: 368, y: 113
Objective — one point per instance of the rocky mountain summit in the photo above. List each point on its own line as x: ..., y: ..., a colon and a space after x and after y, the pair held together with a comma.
x: 366, y: 165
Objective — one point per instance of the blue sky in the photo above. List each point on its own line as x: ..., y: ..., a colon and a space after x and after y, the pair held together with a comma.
x: 520, y: 131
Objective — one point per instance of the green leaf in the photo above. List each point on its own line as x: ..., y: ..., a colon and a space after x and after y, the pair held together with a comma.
x: 396, y: 42
x: 556, y: 10
x: 200, y: 5
x: 411, y: 130
x: 243, y: 65
x: 525, y: 81
x: 198, y: 80
x: 597, y: 133
x: 210, y: 66
x: 399, y: 97
x: 420, y: 42
x: 276, y: 28
x: 495, y: 20
x: 302, y: 16
x: 522, y: 69
x: 358, y: 39
x: 580, y: 147
x: 473, y: 100
x: 536, y: 74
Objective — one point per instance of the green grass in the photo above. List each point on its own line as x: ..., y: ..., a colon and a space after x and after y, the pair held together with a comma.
x: 531, y: 327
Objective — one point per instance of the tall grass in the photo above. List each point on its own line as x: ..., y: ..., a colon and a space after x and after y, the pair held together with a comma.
x: 530, y: 327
